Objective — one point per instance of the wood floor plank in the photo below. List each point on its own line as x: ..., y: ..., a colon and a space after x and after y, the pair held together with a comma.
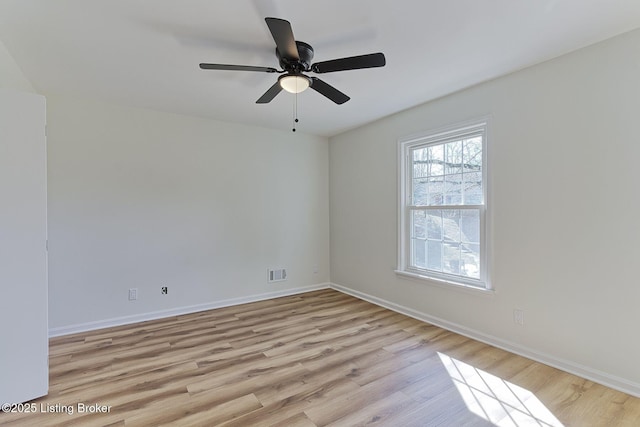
x: 314, y: 359
x: 207, y: 415
x: 375, y: 413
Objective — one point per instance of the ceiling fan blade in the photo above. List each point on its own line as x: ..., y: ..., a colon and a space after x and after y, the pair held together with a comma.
x: 371, y: 60
x: 237, y: 68
x: 283, y: 36
x: 270, y: 94
x: 329, y: 91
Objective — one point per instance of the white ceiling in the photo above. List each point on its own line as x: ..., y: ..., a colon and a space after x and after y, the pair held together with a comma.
x: 146, y: 53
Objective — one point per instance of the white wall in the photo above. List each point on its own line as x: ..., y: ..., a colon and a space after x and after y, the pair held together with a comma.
x: 143, y: 199
x: 11, y: 75
x: 565, y: 209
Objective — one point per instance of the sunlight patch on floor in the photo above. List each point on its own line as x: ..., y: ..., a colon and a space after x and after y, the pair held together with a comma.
x: 496, y: 400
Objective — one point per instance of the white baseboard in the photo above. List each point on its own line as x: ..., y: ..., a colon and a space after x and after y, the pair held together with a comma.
x: 142, y: 317
x: 586, y: 372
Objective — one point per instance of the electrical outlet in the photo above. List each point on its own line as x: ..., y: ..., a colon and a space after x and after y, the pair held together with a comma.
x: 165, y: 290
x: 518, y: 317
x: 133, y: 294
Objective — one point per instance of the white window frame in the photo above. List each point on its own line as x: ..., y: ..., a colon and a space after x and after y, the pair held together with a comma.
x: 405, y: 207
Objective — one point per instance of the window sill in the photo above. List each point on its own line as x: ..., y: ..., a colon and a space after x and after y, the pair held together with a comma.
x: 447, y: 284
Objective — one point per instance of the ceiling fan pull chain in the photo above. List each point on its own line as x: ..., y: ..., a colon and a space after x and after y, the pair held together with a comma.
x: 295, y: 111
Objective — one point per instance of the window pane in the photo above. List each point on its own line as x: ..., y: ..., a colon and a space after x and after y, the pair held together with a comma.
x: 419, y: 222
x: 434, y: 255
x: 470, y: 226
x: 453, y: 189
x: 418, y: 253
x: 434, y: 225
x: 436, y: 191
x: 472, y: 187
x: 453, y: 157
x: 420, y: 192
x: 451, y: 258
x: 470, y: 257
x: 451, y: 225
x: 420, y: 158
x: 436, y: 160
x: 472, y: 153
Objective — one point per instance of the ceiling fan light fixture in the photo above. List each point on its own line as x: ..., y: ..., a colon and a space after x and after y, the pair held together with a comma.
x: 294, y: 83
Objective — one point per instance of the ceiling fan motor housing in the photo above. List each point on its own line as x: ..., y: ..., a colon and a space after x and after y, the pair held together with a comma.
x: 305, y: 54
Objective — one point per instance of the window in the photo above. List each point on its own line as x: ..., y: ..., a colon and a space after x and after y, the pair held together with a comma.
x: 443, y: 206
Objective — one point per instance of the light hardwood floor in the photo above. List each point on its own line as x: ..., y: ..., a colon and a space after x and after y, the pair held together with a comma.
x: 315, y: 359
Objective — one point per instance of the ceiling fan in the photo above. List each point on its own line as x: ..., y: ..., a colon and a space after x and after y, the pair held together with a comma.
x: 295, y: 59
